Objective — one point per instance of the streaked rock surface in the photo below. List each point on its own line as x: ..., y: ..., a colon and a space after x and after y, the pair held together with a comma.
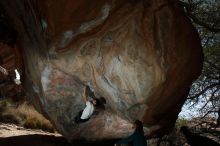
x: 142, y: 56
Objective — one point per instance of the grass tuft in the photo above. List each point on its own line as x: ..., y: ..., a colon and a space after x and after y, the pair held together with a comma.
x: 23, y: 115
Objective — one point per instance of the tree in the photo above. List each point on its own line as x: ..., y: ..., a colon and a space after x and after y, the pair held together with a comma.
x: 205, y: 91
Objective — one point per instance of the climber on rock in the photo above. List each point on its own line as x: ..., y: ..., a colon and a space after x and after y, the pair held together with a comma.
x: 91, y: 101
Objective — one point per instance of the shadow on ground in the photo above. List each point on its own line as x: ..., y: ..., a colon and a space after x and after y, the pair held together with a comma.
x: 48, y: 140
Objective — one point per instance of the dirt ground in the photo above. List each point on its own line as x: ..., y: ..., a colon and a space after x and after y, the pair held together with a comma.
x: 12, y: 135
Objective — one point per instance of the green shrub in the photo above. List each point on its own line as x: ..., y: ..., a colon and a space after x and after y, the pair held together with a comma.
x: 181, y: 122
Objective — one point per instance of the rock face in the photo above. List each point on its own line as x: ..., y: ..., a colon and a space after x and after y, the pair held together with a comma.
x: 142, y: 56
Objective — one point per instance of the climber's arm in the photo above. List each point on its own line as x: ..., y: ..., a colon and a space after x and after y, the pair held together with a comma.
x: 85, y: 96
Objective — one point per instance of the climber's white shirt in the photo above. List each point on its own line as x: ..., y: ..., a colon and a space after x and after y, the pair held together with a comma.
x: 88, y: 111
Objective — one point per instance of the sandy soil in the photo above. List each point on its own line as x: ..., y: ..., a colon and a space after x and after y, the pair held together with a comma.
x: 12, y: 135
x: 9, y: 130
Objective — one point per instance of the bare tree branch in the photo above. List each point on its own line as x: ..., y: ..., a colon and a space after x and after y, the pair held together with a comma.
x: 210, y: 99
x: 204, y: 90
x: 208, y: 112
x: 195, y: 19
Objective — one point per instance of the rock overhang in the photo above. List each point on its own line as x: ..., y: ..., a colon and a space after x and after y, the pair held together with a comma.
x: 142, y: 57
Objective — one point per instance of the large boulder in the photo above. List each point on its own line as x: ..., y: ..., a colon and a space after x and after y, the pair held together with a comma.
x: 141, y: 55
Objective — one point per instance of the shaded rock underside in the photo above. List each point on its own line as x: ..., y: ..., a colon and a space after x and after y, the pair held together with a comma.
x: 142, y: 56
